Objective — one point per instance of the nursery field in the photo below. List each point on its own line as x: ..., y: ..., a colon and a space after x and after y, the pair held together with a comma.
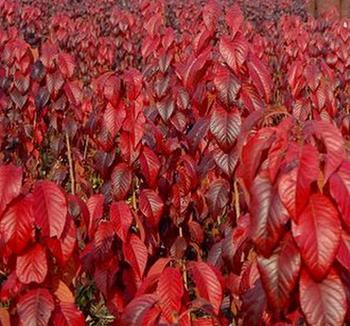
x: 173, y: 162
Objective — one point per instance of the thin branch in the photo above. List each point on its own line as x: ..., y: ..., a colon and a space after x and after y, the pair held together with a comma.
x: 86, y: 146
x: 70, y: 162
x: 238, y: 210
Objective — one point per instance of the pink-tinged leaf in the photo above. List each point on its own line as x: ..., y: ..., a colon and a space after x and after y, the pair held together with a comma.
x: 210, y: 13
x: 135, y: 253
x: 32, y: 265
x: 95, y: 208
x: 113, y: 119
x: 268, y: 214
x: 260, y: 77
x: 10, y: 184
x: 16, y: 225
x: 73, y: 92
x: 218, y: 196
x: 136, y: 311
x: 225, y: 127
x: 227, y: 86
x: 68, y: 315
x: 50, y: 208
x: 295, y: 186
x: 333, y: 141
x: 234, y: 52
x: 234, y: 18
x: 318, y: 234
x: 207, y: 284
x: 170, y: 291
x: 121, y: 217
x: 324, y: 302
x: 121, y: 180
x: 66, y: 64
x: 226, y: 161
x: 343, y: 255
x: 35, y: 307
x: 151, y: 206
x: 158, y: 267
x: 150, y: 166
x: 340, y: 190
x: 279, y: 273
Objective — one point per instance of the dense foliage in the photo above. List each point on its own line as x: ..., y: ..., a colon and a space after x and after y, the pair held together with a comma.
x: 173, y: 163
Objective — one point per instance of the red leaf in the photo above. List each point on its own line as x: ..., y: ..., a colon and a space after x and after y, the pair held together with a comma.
x: 227, y: 86
x: 333, y: 141
x: 121, y: 217
x: 226, y: 161
x: 318, y: 234
x: 150, y: 166
x: 210, y: 13
x: 151, y: 205
x: 218, y: 196
x: 121, y: 180
x: 135, y: 253
x: 343, y: 255
x: 260, y: 76
x: 32, y: 265
x: 136, y: 311
x: 280, y: 272
x: 113, y: 119
x: 16, y: 225
x: 10, y: 184
x: 35, y: 307
x: 268, y: 215
x: 170, y: 291
x: 234, y: 19
x: 207, y: 283
x: 234, y: 52
x: 66, y: 64
x: 340, y: 190
x: 294, y: 187
x: 225, y: 127
x: 68, y: 315
x: 95, y: 207
x: 323, y: 303
x: 50, y: 208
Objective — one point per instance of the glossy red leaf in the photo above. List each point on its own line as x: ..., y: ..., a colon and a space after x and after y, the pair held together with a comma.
x: 324, y: 302
x: 135, y: 253
x: 150, y: 166
x: 10, y: 184
x: 318, y: 234
x: 340, y: 190
x: 35, y: 307
x: 218, y: 196
x: 225, y: 127
x: 170, y: 291
x: 268, y: 214
x: 207, y: 284
x: 50, y: 208
x: 121, y: 217
x: 68, y: 315
x: 151, y: 206
x: 234, y: 52
x: 121, y: 180
x: 16, y: 225
x: 260, y: 76
x: 32, y: 265
x: 95, y: 207
x: 279, y: 273
x: 136, y: 311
